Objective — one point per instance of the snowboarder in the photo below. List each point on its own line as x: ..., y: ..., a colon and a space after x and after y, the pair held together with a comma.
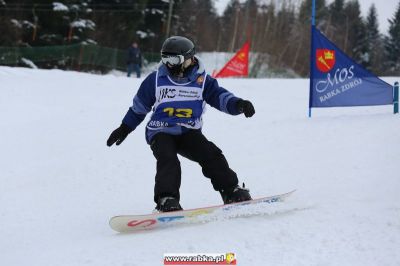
x: 177, y: 92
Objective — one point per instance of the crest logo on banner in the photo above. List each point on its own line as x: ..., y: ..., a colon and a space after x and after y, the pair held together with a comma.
x: 325, y: 59
x: 336, y: 80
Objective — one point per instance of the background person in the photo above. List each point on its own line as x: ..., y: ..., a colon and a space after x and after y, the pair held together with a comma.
x: 134, y: 60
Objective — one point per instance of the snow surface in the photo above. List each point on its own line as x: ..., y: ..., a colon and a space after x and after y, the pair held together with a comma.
x: 28, y: 62
x: 60, y: 183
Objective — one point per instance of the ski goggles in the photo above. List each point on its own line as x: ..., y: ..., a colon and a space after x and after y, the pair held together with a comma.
x: 172, y: 60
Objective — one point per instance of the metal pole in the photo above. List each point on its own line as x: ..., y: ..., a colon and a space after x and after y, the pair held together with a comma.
x: 313, y: 13
x: 396, y: 98
x: 171, y: 3
x: 311, y: 55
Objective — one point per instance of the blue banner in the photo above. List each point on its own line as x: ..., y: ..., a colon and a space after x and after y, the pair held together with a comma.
x: 336, y: 80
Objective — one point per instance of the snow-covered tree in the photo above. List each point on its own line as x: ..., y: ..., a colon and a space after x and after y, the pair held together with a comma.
x: 374, y: 42
x: 356, y: 43
x: 118, y: 22
x: 336, y: 20
x: 392, y: 45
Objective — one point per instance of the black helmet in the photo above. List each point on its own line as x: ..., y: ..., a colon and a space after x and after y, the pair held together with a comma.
x: 177, y: 49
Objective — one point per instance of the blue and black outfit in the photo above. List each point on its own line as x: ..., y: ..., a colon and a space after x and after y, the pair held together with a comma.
x: 175, y: 125
x: 134, y: 61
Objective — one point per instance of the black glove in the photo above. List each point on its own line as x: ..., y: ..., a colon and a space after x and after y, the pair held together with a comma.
x: 246, y: 107
x: 118, y: 135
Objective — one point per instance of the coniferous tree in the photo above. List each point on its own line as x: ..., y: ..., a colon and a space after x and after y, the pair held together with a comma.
x: 249, y: 28
x: 45, y: 22
x: 206, y: 28
x: 285, y: 20
x: 198, y: 20
x: 264, y: 44
x: 336, y: 21
x: 10, y: 28
x: 229, y: 24
x: 301, y: 33
x: 356, y: 44
x: 392, y: 45
x: 70, y: 23
x: 153, y: 24
x: 117, y: 22
x: 279, y: 31
x: 374, y: 42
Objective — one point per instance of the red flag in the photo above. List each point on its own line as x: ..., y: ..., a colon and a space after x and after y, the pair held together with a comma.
x: 238, y: 65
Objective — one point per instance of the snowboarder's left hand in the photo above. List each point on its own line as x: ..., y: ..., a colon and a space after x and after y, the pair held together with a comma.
x: 246, y: 107
x: 119, y: 135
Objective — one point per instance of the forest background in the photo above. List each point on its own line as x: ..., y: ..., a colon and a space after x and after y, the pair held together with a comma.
x: 279, y: 31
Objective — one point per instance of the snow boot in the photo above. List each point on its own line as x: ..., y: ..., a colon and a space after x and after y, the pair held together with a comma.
x: 168, y: 204
x: 235, y: 194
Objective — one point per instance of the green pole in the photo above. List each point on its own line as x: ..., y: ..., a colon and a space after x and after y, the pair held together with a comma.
x: 396, y: 98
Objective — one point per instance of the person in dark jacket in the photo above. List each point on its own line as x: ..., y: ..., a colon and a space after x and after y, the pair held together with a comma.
x: 177, y: 93
x: 134, y: 60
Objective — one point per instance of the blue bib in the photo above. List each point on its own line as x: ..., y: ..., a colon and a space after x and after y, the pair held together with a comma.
x: 178, y: 104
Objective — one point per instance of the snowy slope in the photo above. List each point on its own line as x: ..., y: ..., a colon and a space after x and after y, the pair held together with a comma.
x: 59, y: 183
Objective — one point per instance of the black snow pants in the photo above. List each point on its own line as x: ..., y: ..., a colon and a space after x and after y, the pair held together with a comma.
x: 194, y: 146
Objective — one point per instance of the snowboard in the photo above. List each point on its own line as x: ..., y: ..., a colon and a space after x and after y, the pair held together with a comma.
x: 135, y: 223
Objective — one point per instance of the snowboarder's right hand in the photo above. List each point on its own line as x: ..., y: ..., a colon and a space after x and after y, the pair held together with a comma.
x: 119, y: 135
